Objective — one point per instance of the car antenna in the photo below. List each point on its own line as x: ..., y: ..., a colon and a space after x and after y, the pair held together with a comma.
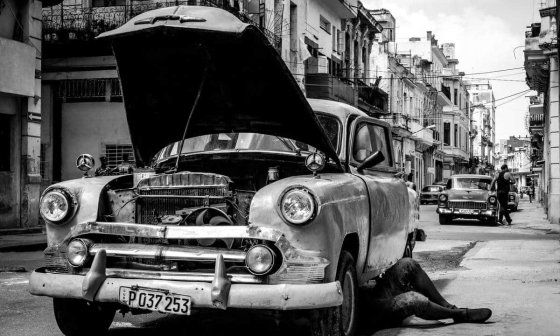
x: 195, y: 103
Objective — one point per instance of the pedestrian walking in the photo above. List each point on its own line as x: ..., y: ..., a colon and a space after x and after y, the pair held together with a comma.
x: 502, y: 182
x: 405, y: 290
x: 531, y: 192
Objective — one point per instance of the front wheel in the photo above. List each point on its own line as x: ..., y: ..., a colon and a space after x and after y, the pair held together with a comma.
x: 444, y: 219
x: 341, y: 320
x: 80, y: 317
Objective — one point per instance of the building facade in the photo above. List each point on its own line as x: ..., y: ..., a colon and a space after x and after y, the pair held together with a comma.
x: 541, y: 66
x: 483, y: 127
x: 20, y: 113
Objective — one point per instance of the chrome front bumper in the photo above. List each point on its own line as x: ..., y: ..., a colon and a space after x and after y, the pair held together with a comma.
x: 248, y: 296
x: 218, y: 292
x: 477, y: 213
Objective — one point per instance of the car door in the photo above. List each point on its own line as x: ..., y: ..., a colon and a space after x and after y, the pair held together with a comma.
x: 390, y: 206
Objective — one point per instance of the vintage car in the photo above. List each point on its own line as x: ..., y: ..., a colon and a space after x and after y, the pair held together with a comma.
x: 468, y: 196
x: 246, y: 195
x: 430, y: 194
x: 513, y: 198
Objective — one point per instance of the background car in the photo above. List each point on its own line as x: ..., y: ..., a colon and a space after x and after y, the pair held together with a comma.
x: 429, y: 194
x: 468, y: 196
x: 513, y: 198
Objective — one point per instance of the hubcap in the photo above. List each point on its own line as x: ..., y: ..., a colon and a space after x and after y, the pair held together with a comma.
x: 348, y: 292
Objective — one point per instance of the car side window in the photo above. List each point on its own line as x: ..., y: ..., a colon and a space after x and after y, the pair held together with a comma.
x: 370, y: 138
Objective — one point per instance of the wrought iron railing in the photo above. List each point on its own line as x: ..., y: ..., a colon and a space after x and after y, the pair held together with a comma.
x: 62, y: 23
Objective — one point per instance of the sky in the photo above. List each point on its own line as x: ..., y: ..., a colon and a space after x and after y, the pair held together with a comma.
x: 489, y: 35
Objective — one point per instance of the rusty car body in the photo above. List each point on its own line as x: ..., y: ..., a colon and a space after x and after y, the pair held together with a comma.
x: 468, y: 196
x: 224, y: 213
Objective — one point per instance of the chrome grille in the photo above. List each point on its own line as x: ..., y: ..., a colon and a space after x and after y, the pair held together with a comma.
x: 468, y: 205
x: 168, y: 194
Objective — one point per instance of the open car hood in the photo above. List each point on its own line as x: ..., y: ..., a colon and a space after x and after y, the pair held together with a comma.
x: 162, y: 57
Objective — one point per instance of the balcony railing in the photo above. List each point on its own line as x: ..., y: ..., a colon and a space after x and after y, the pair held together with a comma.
x: 326, y: 86
x: 62, y: 23
x: 371, y: 99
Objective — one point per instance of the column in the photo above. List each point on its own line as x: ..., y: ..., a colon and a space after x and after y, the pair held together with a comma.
x: 554, y: 135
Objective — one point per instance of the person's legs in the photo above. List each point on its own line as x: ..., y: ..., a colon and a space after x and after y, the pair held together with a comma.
x: 413, y: 303
x: 408, y: 271
x: 503, y: 200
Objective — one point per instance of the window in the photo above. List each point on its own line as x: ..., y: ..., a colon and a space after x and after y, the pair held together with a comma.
x: 340, y: 41
x: 334, y: 41
x: 5, y: 142
x: 331, y: 128
x: 455, y: 96
x: 455, y: 136
x: 114, y: 154
x: 325, y: 24
x: 446, y: 134
x: 370, y: 138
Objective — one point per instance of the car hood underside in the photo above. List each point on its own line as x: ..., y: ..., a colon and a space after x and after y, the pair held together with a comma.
x: 169, y: 56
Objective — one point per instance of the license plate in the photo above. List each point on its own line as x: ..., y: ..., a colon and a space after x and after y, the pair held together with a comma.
x: 155, y: 300
x: 467, y: 211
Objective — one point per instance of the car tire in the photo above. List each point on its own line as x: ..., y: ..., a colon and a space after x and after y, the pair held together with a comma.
x: 79, y: 317
x: 341, y: 320
x: 444, y: 219
x: 492, y: 221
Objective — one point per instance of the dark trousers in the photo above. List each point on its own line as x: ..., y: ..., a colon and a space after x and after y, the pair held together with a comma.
x: 504, y: 211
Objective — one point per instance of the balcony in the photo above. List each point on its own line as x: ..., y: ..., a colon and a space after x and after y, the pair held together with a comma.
x: 372, y: 100
x: 536, y: 118
x: 326, y: 86
x: 78, y: 25
x: 345, y: 9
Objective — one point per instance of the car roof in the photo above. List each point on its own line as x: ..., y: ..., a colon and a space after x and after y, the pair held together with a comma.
x: 471, y: 175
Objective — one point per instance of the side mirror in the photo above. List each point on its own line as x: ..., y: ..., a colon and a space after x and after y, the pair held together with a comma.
x: 371, y: 161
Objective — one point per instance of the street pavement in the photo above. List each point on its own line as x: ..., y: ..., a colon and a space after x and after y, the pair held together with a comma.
x: 512, y: 270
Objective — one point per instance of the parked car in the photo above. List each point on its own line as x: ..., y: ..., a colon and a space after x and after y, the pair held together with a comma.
x: 429, y: 194
x: 468, y: 196
x: 513, y: 198
x: 246, y: 195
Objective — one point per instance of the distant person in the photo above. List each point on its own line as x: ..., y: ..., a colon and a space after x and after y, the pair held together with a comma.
x: 503, y: 181
x: 405, y: 290
x: 103, y: 170
x: 531, y: 192
x: 125, y: 167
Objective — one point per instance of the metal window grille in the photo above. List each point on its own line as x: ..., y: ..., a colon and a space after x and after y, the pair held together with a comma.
x: 114, y: 154
x: 89, y: 89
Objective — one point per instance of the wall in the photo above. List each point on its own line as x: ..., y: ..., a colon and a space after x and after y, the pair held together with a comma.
x: 86, y: 128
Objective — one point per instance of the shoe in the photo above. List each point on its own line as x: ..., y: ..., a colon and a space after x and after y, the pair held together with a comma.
x: 478, y: 315
x: 509, y: 222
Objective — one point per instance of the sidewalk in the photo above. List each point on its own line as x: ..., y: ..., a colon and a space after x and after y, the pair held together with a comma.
x: 532, y: 216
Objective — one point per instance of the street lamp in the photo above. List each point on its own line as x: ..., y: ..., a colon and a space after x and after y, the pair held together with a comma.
x: 427, y: 127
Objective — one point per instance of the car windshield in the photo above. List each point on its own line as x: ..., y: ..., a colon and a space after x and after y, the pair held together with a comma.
x: 472, y: 183
x: 233, y: 141
x: 431, y: 189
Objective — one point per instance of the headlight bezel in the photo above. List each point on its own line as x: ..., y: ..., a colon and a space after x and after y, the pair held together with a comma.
x: 307, y: 193
x: 85, y: 244
x: 494, y: 201
x: 70, y: 200
x: 272, y: 265
x: 443, y: 198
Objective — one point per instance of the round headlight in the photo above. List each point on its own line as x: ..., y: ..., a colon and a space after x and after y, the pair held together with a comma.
x: 297, y: 206
x: 77, y: 252
x: 259, y: 259
x: 443, y: 198
x: 55, y: 206
x: 492, y: 199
